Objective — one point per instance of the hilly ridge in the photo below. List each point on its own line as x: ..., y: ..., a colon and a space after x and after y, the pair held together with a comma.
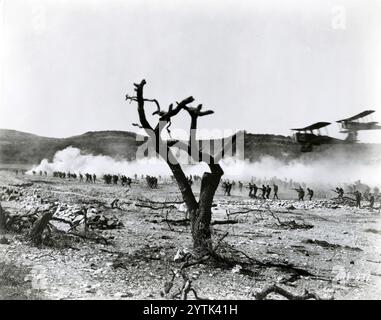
x: 25, y: 148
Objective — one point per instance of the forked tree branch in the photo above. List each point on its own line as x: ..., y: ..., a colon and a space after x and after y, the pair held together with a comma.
x: 140, y: 100
x: 191, y: 148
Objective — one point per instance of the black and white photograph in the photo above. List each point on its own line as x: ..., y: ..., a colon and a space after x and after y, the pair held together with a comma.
x: 196, y: 150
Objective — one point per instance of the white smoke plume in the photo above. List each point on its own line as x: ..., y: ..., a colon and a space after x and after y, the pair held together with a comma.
x: 315, y: 172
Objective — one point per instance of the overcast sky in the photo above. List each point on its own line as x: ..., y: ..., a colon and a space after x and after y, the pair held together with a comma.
x: 264, y: 66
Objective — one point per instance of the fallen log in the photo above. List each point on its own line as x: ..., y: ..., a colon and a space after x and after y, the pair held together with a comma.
x: 155, y: 208
x: 62, y: 220
x: 326, y: 244
x: 161, y: 202
x: 290, y: 296
x: 224, y: 222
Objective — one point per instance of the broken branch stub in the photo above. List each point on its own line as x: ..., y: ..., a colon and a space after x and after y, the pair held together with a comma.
x: 40, y: 225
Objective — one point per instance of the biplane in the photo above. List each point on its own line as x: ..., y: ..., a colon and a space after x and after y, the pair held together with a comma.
x: 354, y: 124
x: 311, y: 136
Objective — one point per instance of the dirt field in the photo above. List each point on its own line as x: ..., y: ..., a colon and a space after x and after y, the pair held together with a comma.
x: 324, y: 247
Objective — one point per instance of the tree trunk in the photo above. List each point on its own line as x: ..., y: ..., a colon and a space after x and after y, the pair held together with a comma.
x: 201, y: 218
x: 39, y: 226
x: 201, y: 234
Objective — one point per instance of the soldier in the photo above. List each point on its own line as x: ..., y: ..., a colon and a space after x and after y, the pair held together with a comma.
x: 310, y: 193
x: 255, y: 190
x: 358, y: 196
x: 107, y: 178
x: 225, y: 187
x: 264, y: 189
x: 240, y: 186
x: 251, y: 187
x: 80, y: 177
x: 371, y: 201
x: 229, y: 187
x: 154, y: 182
x: 275, y: 188
x: 94, y: 177
x: 268, y: 192
x: 301, y: 193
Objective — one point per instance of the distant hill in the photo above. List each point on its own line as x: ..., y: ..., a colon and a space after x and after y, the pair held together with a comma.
x: 25, y: 148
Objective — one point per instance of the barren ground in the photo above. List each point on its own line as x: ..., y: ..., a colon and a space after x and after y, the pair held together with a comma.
x: 339, y: 257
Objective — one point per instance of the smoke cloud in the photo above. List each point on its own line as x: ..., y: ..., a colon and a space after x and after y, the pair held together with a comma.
x: 334, y: 170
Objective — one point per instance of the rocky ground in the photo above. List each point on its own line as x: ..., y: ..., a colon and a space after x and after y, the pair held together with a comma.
x: 128, y: 252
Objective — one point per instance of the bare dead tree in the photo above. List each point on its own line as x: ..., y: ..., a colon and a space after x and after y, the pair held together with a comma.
x: 199, y: 211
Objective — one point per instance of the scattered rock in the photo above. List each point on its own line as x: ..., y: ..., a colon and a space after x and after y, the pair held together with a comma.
x: 123, y: 295
x: 181, y: 254
x: 237, y: 268
x: 4, y: 240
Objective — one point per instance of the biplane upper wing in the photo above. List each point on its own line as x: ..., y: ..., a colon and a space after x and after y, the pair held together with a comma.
x: 314, y: 126
x: 357, y: 116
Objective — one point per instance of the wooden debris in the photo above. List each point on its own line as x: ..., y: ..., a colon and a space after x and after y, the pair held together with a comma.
x: 290, y: 296
x: 36, y: 234
x: 326, y: 244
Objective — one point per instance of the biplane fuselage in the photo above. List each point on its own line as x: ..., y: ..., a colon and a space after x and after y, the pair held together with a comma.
x: 357, y: 126
x: 307, y: 138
